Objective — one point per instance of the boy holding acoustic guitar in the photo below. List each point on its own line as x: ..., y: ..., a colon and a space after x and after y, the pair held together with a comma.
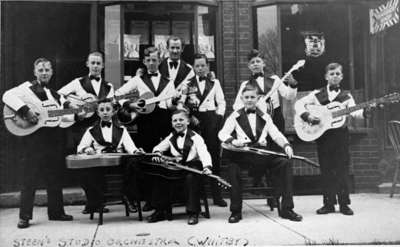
x: 333, y: 145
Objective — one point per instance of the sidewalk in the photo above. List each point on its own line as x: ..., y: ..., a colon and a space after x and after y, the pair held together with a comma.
x: 376, y: 220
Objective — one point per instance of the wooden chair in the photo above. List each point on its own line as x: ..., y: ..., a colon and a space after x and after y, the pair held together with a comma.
x: 394, y: 136
x: 113, y: 194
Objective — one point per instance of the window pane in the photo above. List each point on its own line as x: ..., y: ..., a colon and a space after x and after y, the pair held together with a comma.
x: 206, y: 37
x: 267, y: 37
x: 112, y: 33
x: 319, y: 34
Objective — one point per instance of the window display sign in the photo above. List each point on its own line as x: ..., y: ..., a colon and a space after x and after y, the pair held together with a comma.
x: 131, y: 46
x: 315, y: 43
x: 386, y: 15
x: 182, y: 30
x: 140, y: 28
x: 206, y: 46
x: 160, y: 41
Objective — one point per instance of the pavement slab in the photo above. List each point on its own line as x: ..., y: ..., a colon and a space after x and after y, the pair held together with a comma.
x: 376, y: 220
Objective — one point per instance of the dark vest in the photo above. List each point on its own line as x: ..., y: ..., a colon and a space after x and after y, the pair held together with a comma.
x: 109, y: 147
x: 183, y: 71
x: 323, y: 99
x: 244, y: 123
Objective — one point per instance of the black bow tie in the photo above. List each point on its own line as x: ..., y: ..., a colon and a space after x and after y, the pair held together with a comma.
x: 202, y: 78
x: 105, y: 124
x: 249, y: 111
x: 173, y: 64
x: 92, y: 77
x: 153, y: 74
x: 334, y: 88
x: 179, y: 134
x: 256, y: 75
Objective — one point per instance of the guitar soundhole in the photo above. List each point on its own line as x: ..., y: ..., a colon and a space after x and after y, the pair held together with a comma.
x: 141, y: 103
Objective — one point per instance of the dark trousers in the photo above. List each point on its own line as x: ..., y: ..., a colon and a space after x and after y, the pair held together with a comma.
x: 279, y: 121
x: 152, y: 128
x: 334, y: 157
x: 209, y: 126
x: 163, y: 190
x: 74, y: 136
x: 94, y: 182
x: 43, y: 159
x: 279, y: 167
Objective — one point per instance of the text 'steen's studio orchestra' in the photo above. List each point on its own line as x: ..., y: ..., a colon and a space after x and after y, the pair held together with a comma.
x: 179, y: 112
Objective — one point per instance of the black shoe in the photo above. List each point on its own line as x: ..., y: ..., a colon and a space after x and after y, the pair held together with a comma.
x: 220, y: 203
x: 147, y: 207
x: 193, y: 219
x: 291, y: 215
x: 132, y: 207
x: 344, y: 209
x: 156, y: 216
x: 235, y: 217
x: 88, y: 211
x: 168, y: 214
x: 61, y: 217
x: 326, y: 209
x: 22, y: 223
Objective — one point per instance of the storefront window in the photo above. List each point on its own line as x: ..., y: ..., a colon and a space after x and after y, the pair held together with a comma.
x: 317, y: 33
x: 268, y: 41
x: 150, y: 24
x: 112, y: 27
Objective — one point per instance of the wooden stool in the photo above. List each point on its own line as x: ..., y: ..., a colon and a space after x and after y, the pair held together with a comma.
x: 113, y: 195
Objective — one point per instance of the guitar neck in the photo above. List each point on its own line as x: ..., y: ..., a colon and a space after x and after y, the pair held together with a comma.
x: 351, y: 109
x: 61, y: 112
x: 158, y: 99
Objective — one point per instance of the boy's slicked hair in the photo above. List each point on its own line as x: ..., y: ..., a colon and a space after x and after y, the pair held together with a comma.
x: 41, y: 60
x: 254, y: 53
x: 179, y: 111
x: 333, y: 66
x: 174, y: 38
x: 199, y: 56
x: 106, y: 100
x: 250, y: 87
x: 96, y: 54
x: 150, y: 50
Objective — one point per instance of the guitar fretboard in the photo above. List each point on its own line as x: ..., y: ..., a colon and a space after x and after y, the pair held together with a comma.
x: 360, y: 106
x: 88, y: 107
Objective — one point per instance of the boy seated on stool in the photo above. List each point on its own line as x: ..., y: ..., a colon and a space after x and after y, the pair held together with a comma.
x: 104, y: 137
x: 189, y: 146
x: 251, y: 126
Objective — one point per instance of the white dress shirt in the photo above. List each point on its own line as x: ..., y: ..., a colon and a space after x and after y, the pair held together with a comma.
x: 231, y: 125
x: 214, y: 100
x: 197, y: 151
x: 173, y: 71
x: 286, y: 92
x: 311, y: 99
x: 75, y: 88
x: 136, y: 83
x: 125, y: 144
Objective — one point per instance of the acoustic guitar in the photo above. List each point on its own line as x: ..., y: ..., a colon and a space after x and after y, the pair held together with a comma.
x: 146, y: 103
x: 270, y: 107
x: 332, y: 115
x: 49, y: 114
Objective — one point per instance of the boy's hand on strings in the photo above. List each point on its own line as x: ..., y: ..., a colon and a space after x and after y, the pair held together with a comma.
x: 207, y: 171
